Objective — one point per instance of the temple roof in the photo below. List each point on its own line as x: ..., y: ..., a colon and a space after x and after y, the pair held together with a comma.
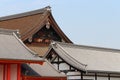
x: 89, y: 58
x: 29, y: 23
x: 44, y: 70
x: 40, y: 50
x: 12, y: 48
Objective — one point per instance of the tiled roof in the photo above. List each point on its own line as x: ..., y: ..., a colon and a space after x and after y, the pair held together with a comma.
x: 44, y: 70
x: 12, y: 48
x: 88, y: 58
x: 29, y: 23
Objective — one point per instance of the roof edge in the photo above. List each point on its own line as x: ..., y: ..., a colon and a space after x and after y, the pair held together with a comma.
x: 9, y: 32
x: 67, y: 58
x: 42, y: 10
x: 89, y: 47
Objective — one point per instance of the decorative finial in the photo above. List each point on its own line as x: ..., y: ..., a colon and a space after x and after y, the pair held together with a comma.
x: 48, y: 8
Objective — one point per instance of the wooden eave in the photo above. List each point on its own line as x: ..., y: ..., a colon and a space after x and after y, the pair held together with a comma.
x: 43, y: 78
x: 31, y: 22
x: 58, y: 30
x: 20, y: 61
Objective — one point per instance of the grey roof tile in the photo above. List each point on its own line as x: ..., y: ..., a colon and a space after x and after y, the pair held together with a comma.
x: 12, y: 48
x: 89, y: 58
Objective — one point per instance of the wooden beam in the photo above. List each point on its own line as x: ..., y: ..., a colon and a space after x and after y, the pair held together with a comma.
x: 8, y: 76
x: 20, y: 61
x: 108, y: 76
x: 18, y: 71
x: 81, y: 75
x: 95, y: 76
x: 58, y: 63
x: 4, y: 66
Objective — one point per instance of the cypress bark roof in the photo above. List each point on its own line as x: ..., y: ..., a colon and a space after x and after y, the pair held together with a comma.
x: 29, y: 23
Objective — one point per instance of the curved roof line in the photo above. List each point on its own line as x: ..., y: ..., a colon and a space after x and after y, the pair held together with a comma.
x: 11, y: 44
x: 37, y: 20
x: 59, y: 30
x: 89, y: 55
x: 67, y: 58
x: 48, y: 8
x: 89, y: 47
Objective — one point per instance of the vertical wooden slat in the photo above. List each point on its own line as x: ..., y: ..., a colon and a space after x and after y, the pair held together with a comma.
x: 8, y: 72
x: 81, y: 75
x: 58, y: 63
x: 4, y: 66
x: 95, y: 76
x: 108, y: 76
x: 18, y: 71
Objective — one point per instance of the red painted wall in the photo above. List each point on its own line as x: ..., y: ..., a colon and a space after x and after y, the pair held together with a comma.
x: 43, y: 78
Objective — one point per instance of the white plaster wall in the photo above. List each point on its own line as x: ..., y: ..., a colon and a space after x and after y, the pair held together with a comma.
x: 13, y: 71
x: 102, y: 78
x: 73, y: 73
x: 92, y: 78
x: 63, y: 66
x: 89, y: 77
x: 73, y: 77
x: 1, y: 72
x: 114, y: 78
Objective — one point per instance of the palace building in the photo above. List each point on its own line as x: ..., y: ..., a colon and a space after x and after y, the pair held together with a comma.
x: 18, y: 62
x: 37, y: 29
x: 41, y: 51
x: 81, y: 62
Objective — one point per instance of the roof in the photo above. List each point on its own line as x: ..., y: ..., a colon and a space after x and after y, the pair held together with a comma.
x: 29, y: 23
x: 89, y: 58
x: 44, y: 70
x: 12, y: 48
x: 40, y: 50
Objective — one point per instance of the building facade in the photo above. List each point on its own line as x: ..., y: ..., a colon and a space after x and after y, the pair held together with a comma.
x: 81, y: 62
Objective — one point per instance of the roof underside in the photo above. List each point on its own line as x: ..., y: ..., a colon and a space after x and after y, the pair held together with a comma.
x: 12, y: 48
x: 29, y: 23
x: 97, y: 59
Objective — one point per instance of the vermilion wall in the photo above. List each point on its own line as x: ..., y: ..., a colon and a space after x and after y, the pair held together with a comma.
x: 12, y: 72
x: 43, y: 78
x: 1, y: 72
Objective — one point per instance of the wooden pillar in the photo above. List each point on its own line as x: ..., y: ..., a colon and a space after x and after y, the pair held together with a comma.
x: 8, y: 72
x: 4, y: 66
x: 18, y: 71
x: 95, y: 76
x: 81, y: 75
x: 58, y: 63
x: 108, y: 76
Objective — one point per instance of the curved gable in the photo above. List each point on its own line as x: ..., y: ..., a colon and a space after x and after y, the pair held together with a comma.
x: 31, y: 22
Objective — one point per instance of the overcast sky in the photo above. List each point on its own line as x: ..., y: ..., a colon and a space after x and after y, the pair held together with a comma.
x: 86, y: 22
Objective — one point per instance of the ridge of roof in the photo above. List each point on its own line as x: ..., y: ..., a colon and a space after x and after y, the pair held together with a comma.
x: 86, y: 46
x: 42, y: 10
